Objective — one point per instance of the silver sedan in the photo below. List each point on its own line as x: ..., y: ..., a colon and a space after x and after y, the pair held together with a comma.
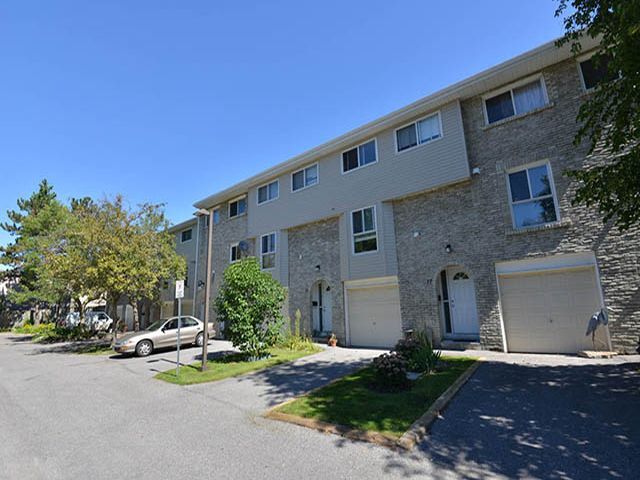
x: 162, y: 333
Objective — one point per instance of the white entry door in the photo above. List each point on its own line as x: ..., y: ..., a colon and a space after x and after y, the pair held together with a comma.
x: 321, y: 307
x: 462, y: 301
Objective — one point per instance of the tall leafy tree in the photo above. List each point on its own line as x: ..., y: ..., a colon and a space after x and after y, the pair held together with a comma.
x: 135, y: 252
x: 30, y: 225
x: 610, y: 116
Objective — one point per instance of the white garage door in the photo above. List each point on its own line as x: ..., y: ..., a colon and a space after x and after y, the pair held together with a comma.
x: 374, y: 316
x: 549, y: 312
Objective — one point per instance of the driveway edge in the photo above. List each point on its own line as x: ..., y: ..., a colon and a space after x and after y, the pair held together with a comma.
x: 419, y: 429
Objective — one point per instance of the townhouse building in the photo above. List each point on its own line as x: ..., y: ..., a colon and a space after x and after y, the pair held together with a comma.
x: 452, y: 215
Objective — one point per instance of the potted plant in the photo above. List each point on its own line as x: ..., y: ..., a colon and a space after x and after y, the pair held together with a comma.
x: 332, y: 341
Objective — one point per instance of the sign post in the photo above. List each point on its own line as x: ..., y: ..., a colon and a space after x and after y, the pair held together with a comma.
x: 179, y: 296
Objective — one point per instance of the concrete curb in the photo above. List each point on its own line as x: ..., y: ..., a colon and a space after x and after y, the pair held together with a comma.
x: 419, y: 429
x: 416, y: 433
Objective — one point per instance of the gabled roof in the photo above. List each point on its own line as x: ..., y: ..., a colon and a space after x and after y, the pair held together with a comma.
x: 525, y: 64
x: 182, y: 225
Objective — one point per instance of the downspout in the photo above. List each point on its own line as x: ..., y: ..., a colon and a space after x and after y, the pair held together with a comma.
x: 195, y: 273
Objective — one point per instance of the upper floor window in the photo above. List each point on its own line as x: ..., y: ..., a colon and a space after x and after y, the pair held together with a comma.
x: 419, y: 132
x: 216, y: 216
x: 268, y: 192
x: 237, y: 207
x: 359, y: 156
x: 268, y: 251
x: 532, y: 196
x: 363, y: 227
x: 304, y: 178
x: 594, y: 71
x: 186, y: 235
x: 516, y: 101
x: 234, y: 252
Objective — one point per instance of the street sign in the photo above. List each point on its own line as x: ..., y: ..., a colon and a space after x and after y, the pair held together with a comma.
x: 179, y: 288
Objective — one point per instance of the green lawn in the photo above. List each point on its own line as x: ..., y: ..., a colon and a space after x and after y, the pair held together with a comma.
x: 350, y: 402
x: 230, y: 365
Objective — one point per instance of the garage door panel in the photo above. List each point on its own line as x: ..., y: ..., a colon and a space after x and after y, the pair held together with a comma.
x: 374, y: 316
x: 549, y: 311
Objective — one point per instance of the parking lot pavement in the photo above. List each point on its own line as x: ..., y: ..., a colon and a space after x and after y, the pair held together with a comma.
x: 74, y: 416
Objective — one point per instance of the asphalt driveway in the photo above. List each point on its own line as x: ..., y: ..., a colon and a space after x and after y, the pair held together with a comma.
x: 80, y: 416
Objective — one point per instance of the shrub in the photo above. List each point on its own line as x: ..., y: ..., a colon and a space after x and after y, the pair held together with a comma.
x: 391, y: 371
x: 250, y: 302
x: 419, y: 352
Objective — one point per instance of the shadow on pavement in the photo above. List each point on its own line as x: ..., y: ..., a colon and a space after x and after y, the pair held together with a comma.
x: 569, y: 422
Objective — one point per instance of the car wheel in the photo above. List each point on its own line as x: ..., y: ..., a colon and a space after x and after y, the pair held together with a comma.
x: 144, y: 348
x: 199, y: 339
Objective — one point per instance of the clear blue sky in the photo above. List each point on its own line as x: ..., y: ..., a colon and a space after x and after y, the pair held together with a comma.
x: 170, y: 101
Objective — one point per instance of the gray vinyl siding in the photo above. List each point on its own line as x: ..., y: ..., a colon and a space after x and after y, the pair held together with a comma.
x: 188, y: 251
x: 441, y: 162
x: 380, y: 263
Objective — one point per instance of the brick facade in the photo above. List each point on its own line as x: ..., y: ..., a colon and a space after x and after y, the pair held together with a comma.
x: 309, y: 246
x: 474, y: 217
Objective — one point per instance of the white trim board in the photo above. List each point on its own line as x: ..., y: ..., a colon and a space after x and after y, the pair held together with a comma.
x: 552, y: 262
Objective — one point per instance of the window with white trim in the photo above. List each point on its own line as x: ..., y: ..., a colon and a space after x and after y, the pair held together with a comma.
x: 186, y: 235
x: 269, y: 192
x: 516, y: 101
x: 304, y: 178
x: 422, y: 131
x: 237, y: 207
x: 532, y: 197
x: 359, y: 156
x: 268, y: 251
x: 363, y: 228
x: 234, y: 252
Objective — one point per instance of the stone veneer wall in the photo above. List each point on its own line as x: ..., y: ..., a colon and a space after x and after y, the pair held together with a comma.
x: 310, y: 245
x: 475, y: 219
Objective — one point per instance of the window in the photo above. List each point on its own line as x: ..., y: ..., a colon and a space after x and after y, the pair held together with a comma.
x: 359, y: 156
x: 268, y: 250
x: 186, y: 235
x: 594, y: 71
x: 238, y: 207
x: 516, y: 101
x: 363, y: 225
x: 304, y: 178
x: 532, y: 197
x: 269, y: 192
x: 171, y: 324
x: 422, y: 131
x: 186, y: 322
x: 216, y: 216
x: 234, y: 253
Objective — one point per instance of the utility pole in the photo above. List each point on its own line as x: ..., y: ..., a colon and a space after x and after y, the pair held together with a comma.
x: 207, y: 286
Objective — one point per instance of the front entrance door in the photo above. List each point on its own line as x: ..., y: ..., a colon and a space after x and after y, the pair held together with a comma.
x: 321, y: 307
x: 462, y: 303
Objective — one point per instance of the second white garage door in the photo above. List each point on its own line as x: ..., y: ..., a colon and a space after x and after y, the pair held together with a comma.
x: 374, y: 316
x: 549, y: 312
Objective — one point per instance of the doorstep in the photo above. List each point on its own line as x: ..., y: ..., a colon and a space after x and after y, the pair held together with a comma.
x: 449, y: 344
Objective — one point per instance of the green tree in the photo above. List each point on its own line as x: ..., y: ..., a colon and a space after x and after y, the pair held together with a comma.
x: 70, y: 252
x: 134, y: 252
x: 30, y: 226
x: 610, y: 116
x: 250, y: 302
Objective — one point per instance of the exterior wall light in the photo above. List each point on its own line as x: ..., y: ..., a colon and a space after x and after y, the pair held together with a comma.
x: 447, y: 248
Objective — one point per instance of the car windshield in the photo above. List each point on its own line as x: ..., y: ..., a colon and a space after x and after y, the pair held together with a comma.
x: 157, y: 324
